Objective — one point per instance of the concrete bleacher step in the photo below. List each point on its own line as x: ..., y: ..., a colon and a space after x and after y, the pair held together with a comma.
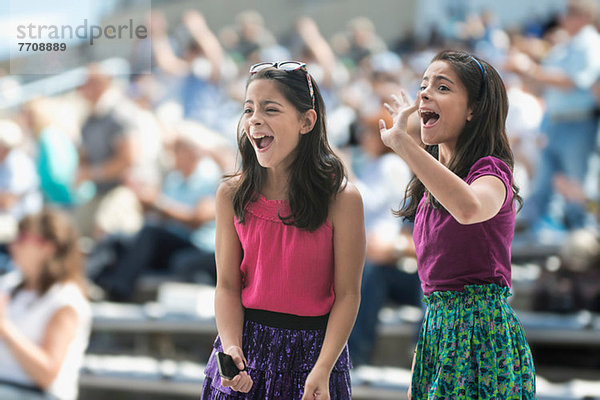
x: 193, y: 314
x: 140, y: 374
x: 184, y: 314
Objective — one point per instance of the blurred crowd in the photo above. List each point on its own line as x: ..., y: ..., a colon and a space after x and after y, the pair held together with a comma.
x: 136, y: 162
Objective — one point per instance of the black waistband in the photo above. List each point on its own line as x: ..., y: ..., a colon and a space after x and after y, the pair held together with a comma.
x: 286, y: 321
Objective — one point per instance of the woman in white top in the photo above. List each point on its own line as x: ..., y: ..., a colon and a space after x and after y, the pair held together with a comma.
x: 44, y: 313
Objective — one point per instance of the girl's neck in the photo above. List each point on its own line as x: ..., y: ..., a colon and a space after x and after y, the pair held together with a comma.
x: 276, y: 185
x: 445, y: 154
x: 31, y: 277
x: 30, y: 284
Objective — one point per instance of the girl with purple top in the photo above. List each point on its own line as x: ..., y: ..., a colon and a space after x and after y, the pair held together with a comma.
x: 462, y: 200
x: 290, y: 248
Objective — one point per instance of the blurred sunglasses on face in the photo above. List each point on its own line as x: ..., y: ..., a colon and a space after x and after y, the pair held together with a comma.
x: 28, y: 237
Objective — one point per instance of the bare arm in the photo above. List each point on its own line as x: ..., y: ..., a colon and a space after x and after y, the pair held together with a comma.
x: 549, y: 76
x: 161, y: 48
x: 42, y: 363
x: 7, y: 200
x: 531, y: 70
x: 468, y: 204
x: 324, y: 55
x: 193, y: 217
x: 228, y: 296
x: 207, y: 40
x: 228, y: 254
x: 349, y: 254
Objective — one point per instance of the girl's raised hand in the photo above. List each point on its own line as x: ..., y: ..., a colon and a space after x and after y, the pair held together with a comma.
x: 400, y: 109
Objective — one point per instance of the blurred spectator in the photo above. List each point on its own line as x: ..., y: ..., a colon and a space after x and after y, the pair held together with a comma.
x: 316, y: 52
x: 201, y: 70
x: 495, y: 42
x: 19, y: 183
x: 596, y: 92
x: 381, y: 178
x: 312, y: 48
x: 107, y: 144
x: 150, y: 137
x: 56, y: 157
x: 523, y: 130
x: 570, y: 124
x: 576, y: 285
x: 45, y: 317
x: 181, y: 238
x: 373, y: 83
x: 248, y: 37
x: 359, y: 41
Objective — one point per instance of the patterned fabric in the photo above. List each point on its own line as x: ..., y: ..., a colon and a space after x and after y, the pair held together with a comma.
x: 472, y: 346
x: 279, y: 360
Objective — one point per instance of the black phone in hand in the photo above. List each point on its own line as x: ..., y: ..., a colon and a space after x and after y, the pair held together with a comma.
x: 227, y: 368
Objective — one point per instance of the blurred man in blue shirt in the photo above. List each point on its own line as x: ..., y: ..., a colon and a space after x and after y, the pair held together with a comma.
x: 567, y: 75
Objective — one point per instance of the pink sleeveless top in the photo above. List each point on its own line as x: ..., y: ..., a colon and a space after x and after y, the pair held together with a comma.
x: 284, y: 269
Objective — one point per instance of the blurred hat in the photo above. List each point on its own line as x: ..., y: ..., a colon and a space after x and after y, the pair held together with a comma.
x: 10, y: 134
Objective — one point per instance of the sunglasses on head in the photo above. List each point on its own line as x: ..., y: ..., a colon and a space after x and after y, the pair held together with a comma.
x: 289, y: 66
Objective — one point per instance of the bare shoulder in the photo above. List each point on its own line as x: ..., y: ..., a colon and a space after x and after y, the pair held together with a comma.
x: 347, y: 203
x: 226, y: 190
x: 349, y: 193
x: 64, y: 316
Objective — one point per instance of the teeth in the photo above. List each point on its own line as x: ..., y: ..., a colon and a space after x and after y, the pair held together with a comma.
x: 259, y: 136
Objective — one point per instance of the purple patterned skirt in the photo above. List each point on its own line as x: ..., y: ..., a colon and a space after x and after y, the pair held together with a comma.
x: 279, y: 360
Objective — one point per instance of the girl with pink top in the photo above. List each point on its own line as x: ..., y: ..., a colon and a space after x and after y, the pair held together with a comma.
x: 290, y: 248
x: 462, y: 200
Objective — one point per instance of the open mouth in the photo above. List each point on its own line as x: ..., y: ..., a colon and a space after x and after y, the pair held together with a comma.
x: 262, y: 141
x: 429, y: 118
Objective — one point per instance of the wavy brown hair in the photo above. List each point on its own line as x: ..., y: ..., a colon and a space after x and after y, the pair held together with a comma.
x: 316, y: 174
x: 66, y: 262
x: 484, y: 135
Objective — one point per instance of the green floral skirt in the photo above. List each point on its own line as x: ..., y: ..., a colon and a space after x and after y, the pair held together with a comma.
x: 472, y: 346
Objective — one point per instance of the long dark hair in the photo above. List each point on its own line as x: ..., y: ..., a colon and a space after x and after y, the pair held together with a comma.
x: 316, y: 174
x: 484, y: 135
x: 66, y: 263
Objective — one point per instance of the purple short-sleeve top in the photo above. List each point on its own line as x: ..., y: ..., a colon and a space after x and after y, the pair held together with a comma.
x: 451, y: 255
